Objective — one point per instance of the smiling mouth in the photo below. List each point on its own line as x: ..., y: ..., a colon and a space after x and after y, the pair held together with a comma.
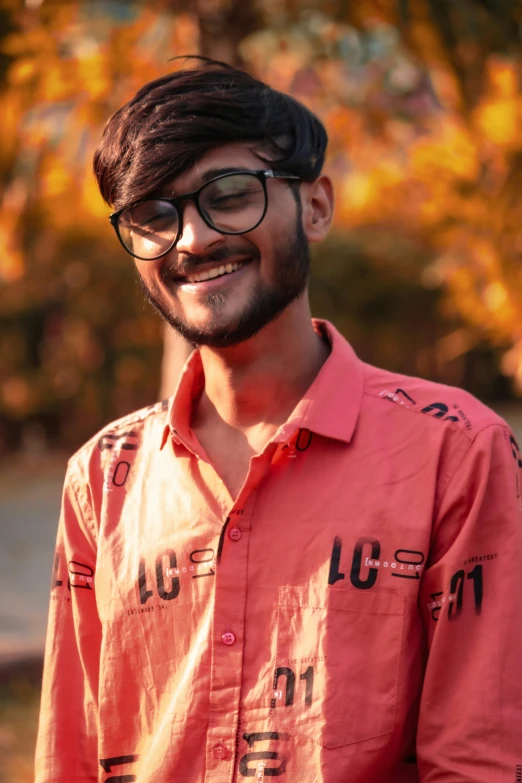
x: 215, y: 271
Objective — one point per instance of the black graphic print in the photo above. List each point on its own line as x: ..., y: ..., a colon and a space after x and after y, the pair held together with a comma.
x: 255, y: 763
x: 300, y: 442
x: 167, y: 572
x: 304, y: 440
x: 289, y: 674
x: 80, y: 576
x: 401, y: 392
x: 441, y: 411
x: 515, y: 451
x: 438, y: 410
x: 355, y: 571
x: 118, y: 761
x: 455, y: 597
x: 110, y: 439
x: 367, y: 563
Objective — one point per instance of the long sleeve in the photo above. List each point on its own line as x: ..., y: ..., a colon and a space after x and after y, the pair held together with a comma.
x: 67, y: 737
x: 470, y: 726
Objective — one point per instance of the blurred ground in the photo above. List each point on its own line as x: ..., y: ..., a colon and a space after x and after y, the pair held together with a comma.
x: 30, y: 490
x: 19, y: 703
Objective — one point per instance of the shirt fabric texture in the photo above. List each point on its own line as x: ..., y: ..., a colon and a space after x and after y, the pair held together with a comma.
x: 354, y: 616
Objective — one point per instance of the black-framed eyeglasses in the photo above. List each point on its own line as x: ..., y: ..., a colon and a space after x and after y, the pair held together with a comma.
x: 231, y: 203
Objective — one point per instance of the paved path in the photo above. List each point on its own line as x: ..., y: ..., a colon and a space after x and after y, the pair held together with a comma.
x: 29, y: 507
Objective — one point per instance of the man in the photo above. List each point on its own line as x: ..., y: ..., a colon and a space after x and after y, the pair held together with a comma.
x: 300, y: 566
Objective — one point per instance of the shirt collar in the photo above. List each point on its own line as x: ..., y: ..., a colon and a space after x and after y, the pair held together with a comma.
x: 189, y: 387
x: 330, y: 407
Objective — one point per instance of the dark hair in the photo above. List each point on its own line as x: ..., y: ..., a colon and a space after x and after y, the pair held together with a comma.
x: 172, y: 121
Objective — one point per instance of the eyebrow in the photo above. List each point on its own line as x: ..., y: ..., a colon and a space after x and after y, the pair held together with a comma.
x: 216, y: 171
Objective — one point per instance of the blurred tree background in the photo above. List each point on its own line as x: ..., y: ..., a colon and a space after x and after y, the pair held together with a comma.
x: 422, y: 101
x: 422, y: 273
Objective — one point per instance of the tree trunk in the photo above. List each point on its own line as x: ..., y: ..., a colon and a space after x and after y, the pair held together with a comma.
x: 222, y: 27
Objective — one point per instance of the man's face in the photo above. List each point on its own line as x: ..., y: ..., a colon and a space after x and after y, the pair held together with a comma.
x: 269, y: 264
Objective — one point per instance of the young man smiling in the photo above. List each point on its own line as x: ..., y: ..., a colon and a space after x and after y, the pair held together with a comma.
x: 300, y: 566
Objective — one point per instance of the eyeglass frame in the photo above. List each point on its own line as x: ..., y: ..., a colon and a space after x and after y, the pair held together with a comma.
x: 260, y: 174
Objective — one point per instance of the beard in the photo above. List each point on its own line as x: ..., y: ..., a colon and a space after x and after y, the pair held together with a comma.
x: 291, y: 269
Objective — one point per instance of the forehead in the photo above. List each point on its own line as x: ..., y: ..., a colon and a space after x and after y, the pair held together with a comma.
x: 230, y: 156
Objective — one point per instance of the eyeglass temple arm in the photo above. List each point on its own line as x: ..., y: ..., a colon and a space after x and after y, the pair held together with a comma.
x: 272, y: 174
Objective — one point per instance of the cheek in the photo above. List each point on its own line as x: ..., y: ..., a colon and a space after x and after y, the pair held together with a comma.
x: 150, y: 274
x: 282, y: 228
x: 266, y: 239
x: 274, y: 240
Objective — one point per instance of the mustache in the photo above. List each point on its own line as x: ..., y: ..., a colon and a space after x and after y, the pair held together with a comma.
x: 189, y: 264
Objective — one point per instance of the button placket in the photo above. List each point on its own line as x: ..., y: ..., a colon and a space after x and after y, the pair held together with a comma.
x: 227, y: 649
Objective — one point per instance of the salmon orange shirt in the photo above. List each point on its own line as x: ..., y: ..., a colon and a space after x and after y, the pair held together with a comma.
x: 354, y: 616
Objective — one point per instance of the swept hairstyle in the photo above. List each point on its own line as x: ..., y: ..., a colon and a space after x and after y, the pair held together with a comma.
x: 173, y: 121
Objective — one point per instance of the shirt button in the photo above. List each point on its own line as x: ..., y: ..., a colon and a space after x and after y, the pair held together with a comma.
x: 220, y: 752
x: 235, y: 534
x: 228, y: 638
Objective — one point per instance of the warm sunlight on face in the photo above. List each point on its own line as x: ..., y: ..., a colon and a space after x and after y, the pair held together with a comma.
x: 220, y: 289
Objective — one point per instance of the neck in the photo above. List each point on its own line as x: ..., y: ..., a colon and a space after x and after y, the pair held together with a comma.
x: 261, y: 380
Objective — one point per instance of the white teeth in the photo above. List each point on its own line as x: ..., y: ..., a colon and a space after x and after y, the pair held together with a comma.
x: 217, y: 271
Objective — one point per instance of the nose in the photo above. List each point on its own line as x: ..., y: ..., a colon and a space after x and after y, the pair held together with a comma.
x: 196, y: 237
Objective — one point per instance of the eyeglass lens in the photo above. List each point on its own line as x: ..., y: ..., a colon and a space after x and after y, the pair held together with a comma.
x: 233, y: 204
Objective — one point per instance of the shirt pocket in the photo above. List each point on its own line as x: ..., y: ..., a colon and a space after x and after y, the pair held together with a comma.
x: 337, y: 664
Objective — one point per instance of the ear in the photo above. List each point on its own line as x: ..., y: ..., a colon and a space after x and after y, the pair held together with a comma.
x: 317, y: 199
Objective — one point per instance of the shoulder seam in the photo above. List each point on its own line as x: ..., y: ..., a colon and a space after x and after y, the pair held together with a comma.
x: 471, y: 435
x: 137, y: 417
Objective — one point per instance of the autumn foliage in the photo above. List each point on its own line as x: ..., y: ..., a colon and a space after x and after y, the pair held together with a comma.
x: 422, y: 104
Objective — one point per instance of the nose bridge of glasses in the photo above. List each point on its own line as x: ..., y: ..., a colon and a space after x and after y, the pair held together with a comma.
x: 193, y: 225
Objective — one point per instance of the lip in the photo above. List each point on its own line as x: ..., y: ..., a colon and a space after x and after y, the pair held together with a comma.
x: 210, y: 285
